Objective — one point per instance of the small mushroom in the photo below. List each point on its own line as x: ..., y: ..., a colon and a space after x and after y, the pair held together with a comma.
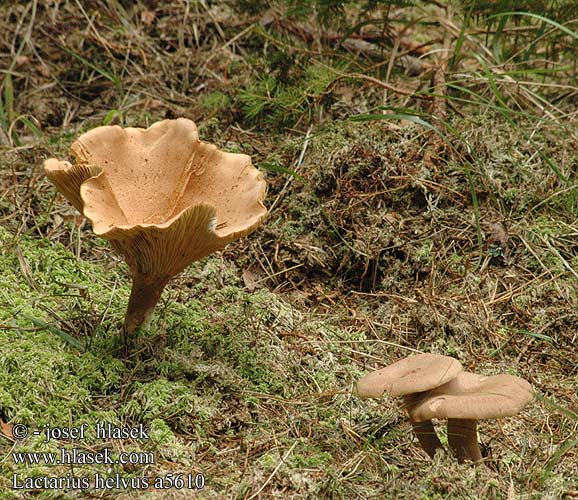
x: 411, y: 377
x: 466, y: 399
x: 162, y: 198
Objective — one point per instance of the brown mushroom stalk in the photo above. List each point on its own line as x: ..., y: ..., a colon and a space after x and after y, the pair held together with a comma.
x: 412, y: 378
x: 162, y: 198
x: 427, y: 436
x: 144, y: 297
x: 463, y: 439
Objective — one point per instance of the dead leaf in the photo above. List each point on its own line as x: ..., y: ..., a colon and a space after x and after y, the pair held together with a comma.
x: 57, y: 221
x: 147, y: 17
x: 268, y: 18
x: 497, y: 233
x: 22, y: 61
x: 394, y: 219
x: 249, y: 280
x: 6, y: 429
x: 496, y: 243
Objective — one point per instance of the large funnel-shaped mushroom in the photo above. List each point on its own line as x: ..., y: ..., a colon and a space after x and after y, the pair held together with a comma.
x: 162, y: 198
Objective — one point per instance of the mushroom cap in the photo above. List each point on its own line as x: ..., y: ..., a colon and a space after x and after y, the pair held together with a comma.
x: 474, y: 397
x: 417, y: 373
x: 160, y: 195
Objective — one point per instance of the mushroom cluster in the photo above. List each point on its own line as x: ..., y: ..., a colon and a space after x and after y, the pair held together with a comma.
x: 436, y: 387
x: 162, y: 198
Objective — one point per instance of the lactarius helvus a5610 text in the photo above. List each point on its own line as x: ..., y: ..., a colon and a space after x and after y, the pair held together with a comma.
x: 162, y: 198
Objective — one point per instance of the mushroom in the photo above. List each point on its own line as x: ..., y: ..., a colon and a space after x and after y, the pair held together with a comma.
x: 412, y: 377
x: 162, y: 198
x: 466, y: 399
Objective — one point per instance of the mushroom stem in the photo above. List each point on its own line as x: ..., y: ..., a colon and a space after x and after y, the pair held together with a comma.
x: 144, y: 297
x: 463, y: 439
x: 427, y: 437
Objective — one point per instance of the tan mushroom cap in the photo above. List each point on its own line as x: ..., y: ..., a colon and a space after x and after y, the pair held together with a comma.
x: 160, y: 195
x: 473, y: 397
x: 418, y: 373
x: 68, y: 178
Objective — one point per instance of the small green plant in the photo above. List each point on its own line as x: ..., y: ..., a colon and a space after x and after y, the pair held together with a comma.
x: 280, y: 102
x: 14, y: 127
x: 112, y: 116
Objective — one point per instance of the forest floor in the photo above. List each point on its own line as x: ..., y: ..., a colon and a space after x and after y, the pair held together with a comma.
x: 423, y: 197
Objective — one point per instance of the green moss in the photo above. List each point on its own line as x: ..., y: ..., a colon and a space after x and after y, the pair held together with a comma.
x: 156, y: 399
x: 424, y: 253
x: 314, y: 459
x: 41, y: 380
